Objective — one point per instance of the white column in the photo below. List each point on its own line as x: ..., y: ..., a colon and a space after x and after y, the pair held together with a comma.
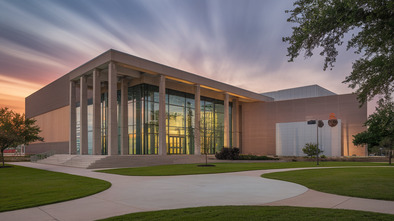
x: 112, y: 110
x: 235, y: 123
x: 124, y: 136
x: 162, y: 116
x: 226, y: 122
x: 197, y: 117
x: 96, y: 113
x: 72, y: 145
x: 83, y: 105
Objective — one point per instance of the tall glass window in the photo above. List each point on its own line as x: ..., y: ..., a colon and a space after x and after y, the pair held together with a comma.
x: 143, y: 122
x: 89, y: 124
x: 104, y: 126
x: 180, y: 122
x: 143, y: 119
x: 78, y: 127
x: 211, y: 125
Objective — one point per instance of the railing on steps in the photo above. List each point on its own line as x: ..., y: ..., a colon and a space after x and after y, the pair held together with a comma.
x: 41, y: 156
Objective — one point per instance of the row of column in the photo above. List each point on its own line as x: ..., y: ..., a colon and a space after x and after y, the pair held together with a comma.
x: 112, y: 120
x: 112, y: 133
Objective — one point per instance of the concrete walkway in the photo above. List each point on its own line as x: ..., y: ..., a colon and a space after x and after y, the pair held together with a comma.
x: 130, y: 194
x: 148, y: 193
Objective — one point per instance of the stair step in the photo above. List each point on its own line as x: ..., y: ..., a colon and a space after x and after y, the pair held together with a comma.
x: 103, y: 161
x: 83, y: 161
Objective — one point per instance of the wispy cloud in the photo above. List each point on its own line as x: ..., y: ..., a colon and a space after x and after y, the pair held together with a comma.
x: 233, y: 41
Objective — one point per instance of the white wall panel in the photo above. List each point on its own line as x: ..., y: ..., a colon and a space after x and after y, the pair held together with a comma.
x: 292, y: 137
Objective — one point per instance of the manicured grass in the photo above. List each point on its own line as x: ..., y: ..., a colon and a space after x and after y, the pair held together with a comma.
x: 186, y: 169
x: 217, y: 213
x: 23, y: 187
x: 366, y: 182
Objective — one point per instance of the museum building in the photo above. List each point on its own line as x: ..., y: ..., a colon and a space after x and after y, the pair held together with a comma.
x: 119, y: 104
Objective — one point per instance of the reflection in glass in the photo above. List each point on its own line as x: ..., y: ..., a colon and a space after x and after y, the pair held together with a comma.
x: 143, y: 122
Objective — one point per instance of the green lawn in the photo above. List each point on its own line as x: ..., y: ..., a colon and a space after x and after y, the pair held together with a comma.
x: 23, y: 187
x: 225, y: 213
x: 186, y: 169
x: 366, y: 182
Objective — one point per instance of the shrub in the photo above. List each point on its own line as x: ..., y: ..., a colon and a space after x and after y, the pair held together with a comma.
x: 228, y: 154
x: 233, y: 154
x: 311, y: 149
x: 254, y: 157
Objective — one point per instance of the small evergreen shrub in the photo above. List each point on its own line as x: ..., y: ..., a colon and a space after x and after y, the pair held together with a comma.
x: 311, y: 149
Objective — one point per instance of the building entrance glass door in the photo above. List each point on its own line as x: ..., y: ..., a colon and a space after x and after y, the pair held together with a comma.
x: 175, y: 145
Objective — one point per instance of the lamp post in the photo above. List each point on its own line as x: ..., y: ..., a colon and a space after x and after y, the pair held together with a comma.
x: 319, y: 123
x: 332, y: 122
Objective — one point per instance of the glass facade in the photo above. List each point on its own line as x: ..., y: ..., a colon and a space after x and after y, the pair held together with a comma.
x: 90, y: 126
x: 104, y: 126
x: 143, y: 119
x: 179, y: 122
x: 143, y: 122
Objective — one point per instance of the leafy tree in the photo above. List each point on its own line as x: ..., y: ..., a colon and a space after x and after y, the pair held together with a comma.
x: 15, y: 130
x: 366, y: 138
x: 388, y: 144
x: 380, y: 130
x: 311, y: 150
x: 322, y: 24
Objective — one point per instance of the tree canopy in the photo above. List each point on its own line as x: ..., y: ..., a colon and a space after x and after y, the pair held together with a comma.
x: 15, y: 130
x: 322, y: 24
x: 380, y: 130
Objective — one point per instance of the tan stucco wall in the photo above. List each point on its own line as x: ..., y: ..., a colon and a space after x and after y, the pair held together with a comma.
x: 55, y: 125
x: 259, y: 120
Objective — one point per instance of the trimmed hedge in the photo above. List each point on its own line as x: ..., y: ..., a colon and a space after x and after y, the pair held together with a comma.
x: 233, y: 154
x: 228, y: 154
x: 254, y: 157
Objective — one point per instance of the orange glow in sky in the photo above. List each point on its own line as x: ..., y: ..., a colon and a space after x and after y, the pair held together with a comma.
x: 13, y: 92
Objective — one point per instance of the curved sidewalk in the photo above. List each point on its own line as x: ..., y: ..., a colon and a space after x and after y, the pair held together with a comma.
x: 313, y: 198
x: 148, y: 193
x: 142, y: 193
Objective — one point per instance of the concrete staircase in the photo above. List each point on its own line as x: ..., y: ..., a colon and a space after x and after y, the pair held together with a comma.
x: 145, y: 160
x: 117, y: 161
x: 80, y: 161
x: 57, y: 159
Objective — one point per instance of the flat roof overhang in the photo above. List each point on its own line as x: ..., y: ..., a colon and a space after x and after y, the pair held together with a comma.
x: 127, y: 61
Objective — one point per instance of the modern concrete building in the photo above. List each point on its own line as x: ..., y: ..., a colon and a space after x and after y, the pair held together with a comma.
x: 119, y: 104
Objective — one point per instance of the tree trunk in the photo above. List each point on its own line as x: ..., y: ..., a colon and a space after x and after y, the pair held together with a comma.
x: 390, y: 156
x: 2, y: 156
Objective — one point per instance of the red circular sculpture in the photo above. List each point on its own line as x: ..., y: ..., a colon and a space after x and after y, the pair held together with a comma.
x: 332, y: 122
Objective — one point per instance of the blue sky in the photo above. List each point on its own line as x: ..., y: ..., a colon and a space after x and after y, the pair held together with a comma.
x: 235, y: 42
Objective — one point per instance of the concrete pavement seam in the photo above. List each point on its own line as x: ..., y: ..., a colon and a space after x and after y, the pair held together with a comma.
x: 47, y: 213
x: 336, y: 206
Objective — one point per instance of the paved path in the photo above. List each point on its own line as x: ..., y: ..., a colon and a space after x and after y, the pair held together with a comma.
x: 313, y: 198
x: 142, y: 193
x: 145, y: 193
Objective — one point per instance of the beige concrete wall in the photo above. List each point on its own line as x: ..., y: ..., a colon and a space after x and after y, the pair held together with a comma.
x: 54, y: 125
x: 53, y: 96
x: 259, y: 119
x: 41, y: 147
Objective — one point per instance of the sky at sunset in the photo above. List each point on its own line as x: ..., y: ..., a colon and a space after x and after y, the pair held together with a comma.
x: 235, y: 42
